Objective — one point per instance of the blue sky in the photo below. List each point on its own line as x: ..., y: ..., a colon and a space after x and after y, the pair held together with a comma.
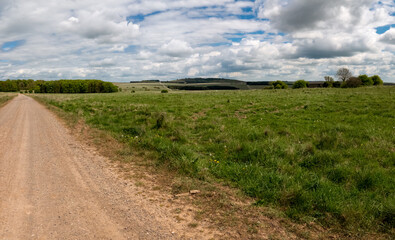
x: 130, y: 40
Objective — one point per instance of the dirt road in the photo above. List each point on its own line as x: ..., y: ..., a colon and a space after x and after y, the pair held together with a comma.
x: 51, y: 187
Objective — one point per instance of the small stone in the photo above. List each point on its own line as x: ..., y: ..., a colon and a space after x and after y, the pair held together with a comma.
x: 193, y: 192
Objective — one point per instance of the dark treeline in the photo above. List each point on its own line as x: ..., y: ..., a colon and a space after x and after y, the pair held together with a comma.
x: 200, y: 88
x: 58, y: 86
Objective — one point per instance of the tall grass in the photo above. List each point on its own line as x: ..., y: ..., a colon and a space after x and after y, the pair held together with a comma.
x: 324, y: 155
x: 5, y: 97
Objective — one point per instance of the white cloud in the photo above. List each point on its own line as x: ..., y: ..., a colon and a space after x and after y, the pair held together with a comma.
x: 176, y: 48
x: 123, y: 40
x: 389, y: 37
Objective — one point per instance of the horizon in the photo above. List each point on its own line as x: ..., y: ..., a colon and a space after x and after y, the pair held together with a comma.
x: 261, y: 40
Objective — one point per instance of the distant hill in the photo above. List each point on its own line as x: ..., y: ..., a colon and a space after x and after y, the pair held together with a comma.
x: 206, y: 80
x: 206, y: 84
x: 146, y: 81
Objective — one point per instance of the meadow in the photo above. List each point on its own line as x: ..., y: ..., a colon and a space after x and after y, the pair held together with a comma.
x: 318, y: 155
x: 4, y: 97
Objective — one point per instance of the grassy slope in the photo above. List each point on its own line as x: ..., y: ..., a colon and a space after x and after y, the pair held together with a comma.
x: 4, y: 97
x: 324, y: 155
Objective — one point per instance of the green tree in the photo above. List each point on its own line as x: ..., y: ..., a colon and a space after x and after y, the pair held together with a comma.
x: 377, y: 80
x: 300, y: 84
x: 279, y: 85
x: 366, y: 81
x: 329, y: 81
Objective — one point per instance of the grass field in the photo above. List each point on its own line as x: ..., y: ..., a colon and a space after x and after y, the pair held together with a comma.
x: 129, y: 87
x: 172, y: 86
x: 4, y: 97
x: 323, y: 155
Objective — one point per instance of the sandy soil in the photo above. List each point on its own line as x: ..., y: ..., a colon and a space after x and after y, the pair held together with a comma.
x: 54, y: 187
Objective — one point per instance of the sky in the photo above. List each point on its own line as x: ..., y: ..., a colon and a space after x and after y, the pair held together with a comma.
x: 131, y: 40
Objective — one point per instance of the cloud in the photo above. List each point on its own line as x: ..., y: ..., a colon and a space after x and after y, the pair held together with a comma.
x: 123, y: 40
x: 292, y: 16
x: 389, y: 37
x: 108, y: 62
x: 330, y: 47
x: 95, y: 26
x: 176, y: 48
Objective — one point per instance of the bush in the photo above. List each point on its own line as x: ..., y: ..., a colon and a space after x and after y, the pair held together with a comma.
x: 279, y: 85
x: 328, y: 81
x: 366, y: 81
x: 164, y: 91
x: 336, y: 84
x: 300, y: 84
x: 352, y: 82
x: 377, y: 80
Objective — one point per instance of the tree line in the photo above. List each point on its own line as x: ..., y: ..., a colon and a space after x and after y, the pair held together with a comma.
x: 58, y: 86
x: 345, y: 80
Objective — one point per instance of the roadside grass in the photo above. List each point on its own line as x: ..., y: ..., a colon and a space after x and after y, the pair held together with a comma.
x: 5, y: 97
x: 318, y: 155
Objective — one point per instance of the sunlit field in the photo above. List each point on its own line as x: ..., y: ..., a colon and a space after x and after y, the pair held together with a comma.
x: 323, y: 155
x: 4, y: 97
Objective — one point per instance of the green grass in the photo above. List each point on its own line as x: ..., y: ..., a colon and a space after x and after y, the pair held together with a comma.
x: 323, y: 155
x: 136, y: 87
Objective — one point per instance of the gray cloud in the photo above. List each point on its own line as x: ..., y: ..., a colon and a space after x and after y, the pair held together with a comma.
x: 93, y: 39
x: 330, y: 48
x: 292, y: 16
x: 389, y: 37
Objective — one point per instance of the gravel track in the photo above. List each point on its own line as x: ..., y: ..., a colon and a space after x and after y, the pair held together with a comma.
x: 53, y: 187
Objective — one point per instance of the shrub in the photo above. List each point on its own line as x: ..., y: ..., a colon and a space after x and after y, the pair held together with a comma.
x: 327, y: 84
x: 328, y: 81
x: 352, y: 82
x: 160, y: 121
x: 164, y: 91
x: 336, y: 84
x: 366, y: 81
x: 279, y: 85
x: 377, y: 80
x: 300, y: 84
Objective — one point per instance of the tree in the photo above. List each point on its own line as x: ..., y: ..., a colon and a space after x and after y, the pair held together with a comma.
x: 352, y: 82
x: 328, y: 81
x: 343, y: 74
x: 377, y: 80
x: 300, y: 84
x: 279, y: 85
x: 366, y: 81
